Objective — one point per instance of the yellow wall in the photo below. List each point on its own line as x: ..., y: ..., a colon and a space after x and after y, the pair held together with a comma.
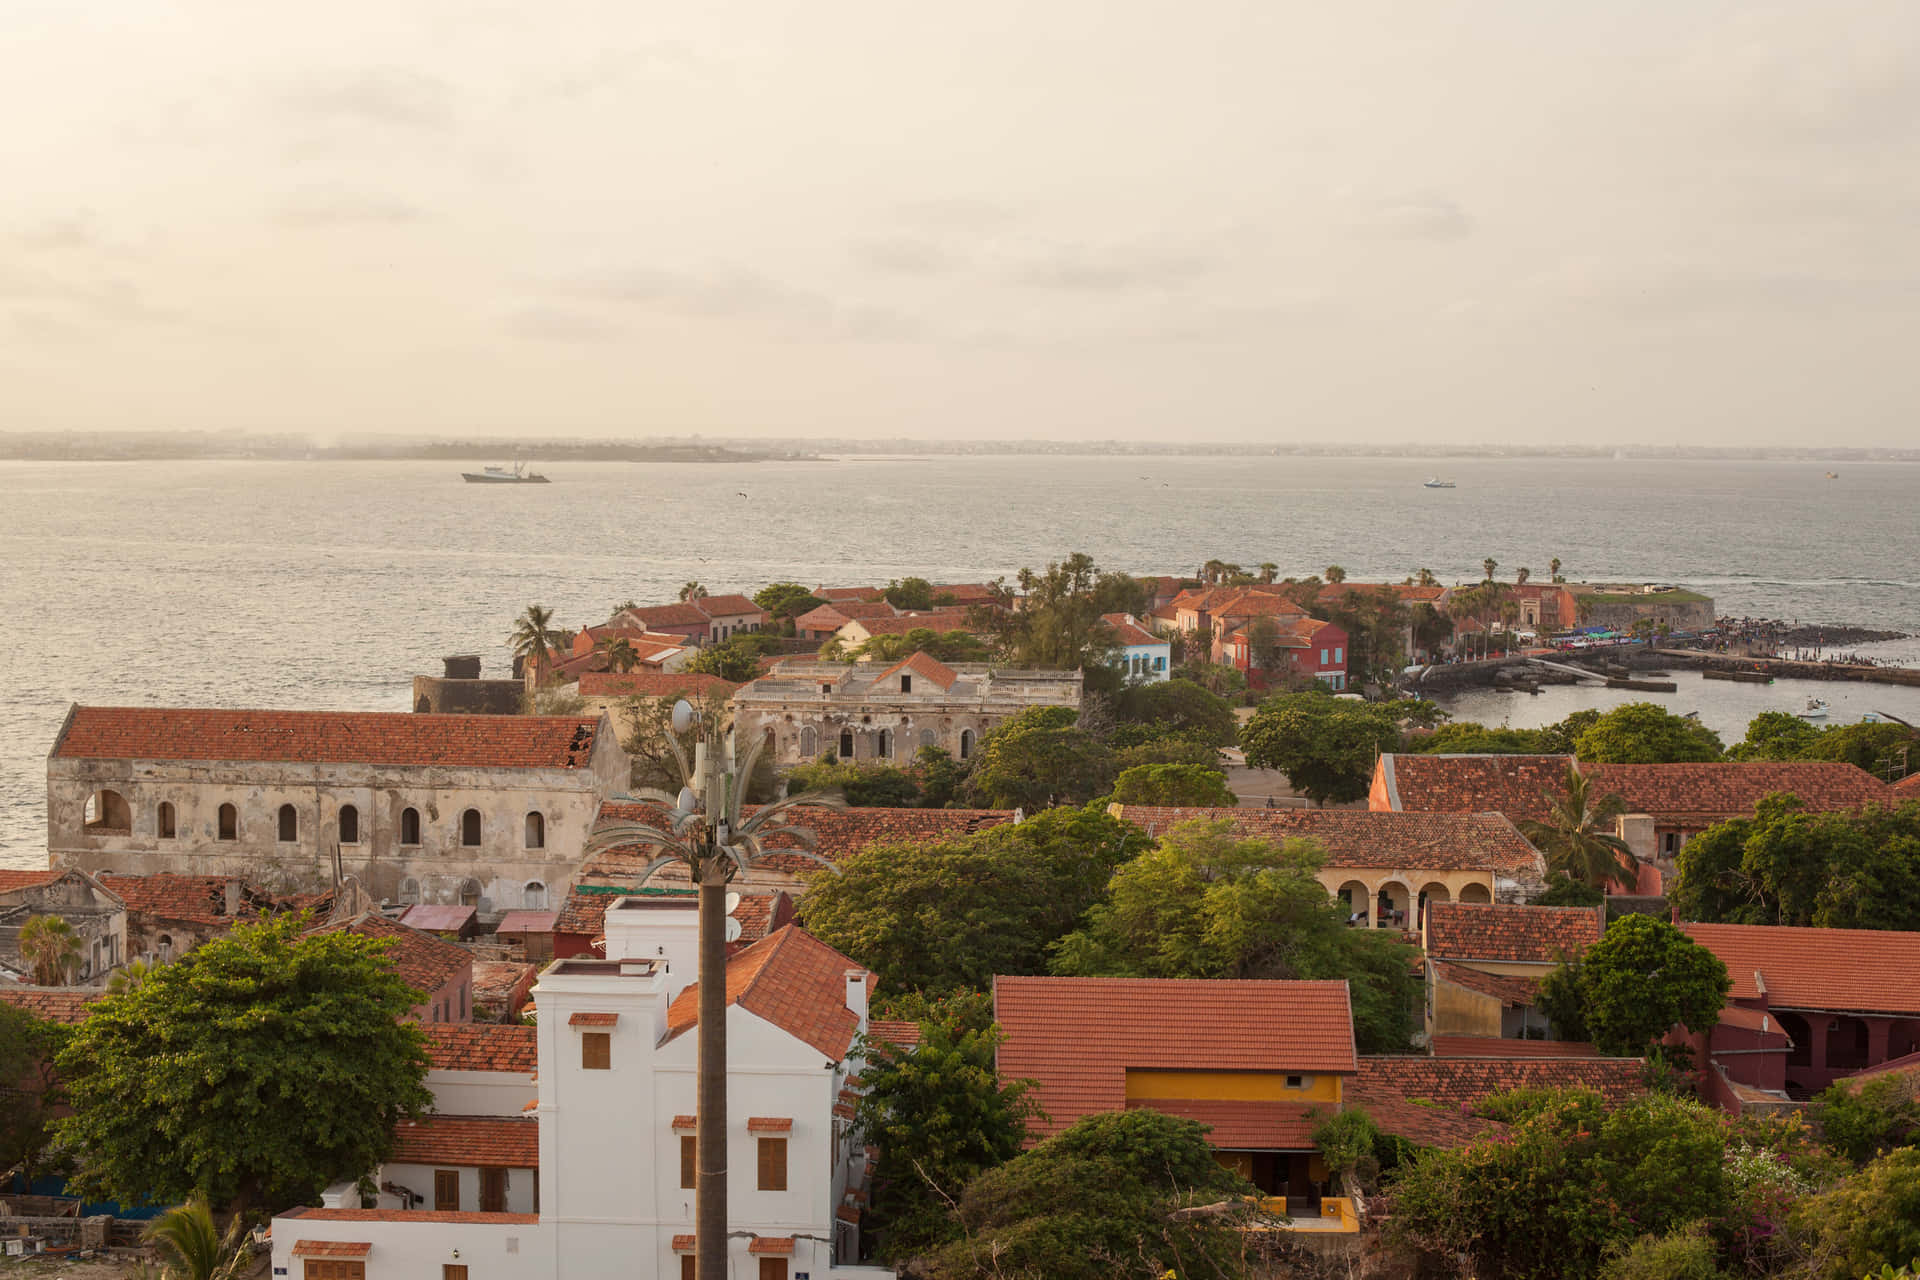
x: 1456, y: 1011
x: 1234, y: 1086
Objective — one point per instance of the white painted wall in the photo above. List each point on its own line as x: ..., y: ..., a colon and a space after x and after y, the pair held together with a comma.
x: 481, y: 1093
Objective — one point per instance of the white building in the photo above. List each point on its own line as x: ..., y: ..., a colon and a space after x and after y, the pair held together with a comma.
x: 613, y: 1198
x: 1142, y: 656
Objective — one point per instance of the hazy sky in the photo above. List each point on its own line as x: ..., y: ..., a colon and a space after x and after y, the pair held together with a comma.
x: 1638, y: 220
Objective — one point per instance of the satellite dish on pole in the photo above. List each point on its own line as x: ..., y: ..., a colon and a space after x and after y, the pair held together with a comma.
x: 733, y: 902
x: 682, y: 716
x: 733, y: 929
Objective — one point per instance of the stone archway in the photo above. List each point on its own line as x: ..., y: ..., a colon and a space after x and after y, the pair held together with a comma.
x: 1475, y: 893
x: 1393, y: 905
x: 1359, y: 903
x: 1433, y: 891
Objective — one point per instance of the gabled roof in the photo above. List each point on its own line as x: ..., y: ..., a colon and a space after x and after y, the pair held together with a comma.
x: 653, y: 684
x: 1838, y: 970
x: 1457, y: 1082
x: 941, y: 620
x: 667, y: 615
x: 902, y: 1035
x: 1518, y: 786
x: 1128, y: 631
x: 424, y: 962
x: 1908, y: 788
x: 11, y: 880
x: 191, y: 899
x: 66, y: 1005
x: 500, y: 1142
x: 335, y: 737
x: 1078, y: 1037
x: 836, y: 614
x: 1256, y: 604
x: 727, y: 606
x: 794, y: 981
x: 1367, y: 838
x: 918, y: 663
x: 481, y: 1046
x: 1524, y: 935
x: 840, y: 834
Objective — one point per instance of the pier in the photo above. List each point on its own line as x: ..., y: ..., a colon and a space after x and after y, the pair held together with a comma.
x: 1791, y: 669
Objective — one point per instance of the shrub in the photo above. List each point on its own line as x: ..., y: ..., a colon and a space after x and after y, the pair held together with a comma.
x: 1686, y: 1254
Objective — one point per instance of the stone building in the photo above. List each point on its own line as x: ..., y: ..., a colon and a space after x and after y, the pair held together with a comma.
x: 1619, y: 606
x: 97, y: 916
x: 490, y: 811
x: 862, y: 714
x: 461, y: 691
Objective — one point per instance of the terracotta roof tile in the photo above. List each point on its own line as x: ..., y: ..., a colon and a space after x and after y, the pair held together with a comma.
x: 683, y: 1243
x: 66, y: 1005
x: 11, y: 880
x: 1512, y: 992
x: 507, y: 1142
x: 331, y: 1248
x: 339, y: 737
x: 1908, y: 1065
x: 918, y: 663
x: 1528, y: 935
x: 667, y: 615
x: 312, y: 1214
x: 1429, y: 1124
x: 731, y: 605
x: 769, y: 1124
x: 1843, y: 970
x: 194, y: 899
x: 1456, y: 1082
x: 586, y: 1019
x: 1517, y: 786
x: 1366, y: 838
x: 1908, y: 788
x: 438, y: 917
x: 791, y: 979
x: 481, y: 1046
x: 653, y: 684
x: 771, y: 1244
x: 1128, y: 631
x: 848, y: 593
x: 1246, y: 1126
x: 903, y: 1035
x: 500, y: 986
x: 1078, y: 1037
x: 939, y: 620
x: 424, y: 962
x: 1491, y: 1047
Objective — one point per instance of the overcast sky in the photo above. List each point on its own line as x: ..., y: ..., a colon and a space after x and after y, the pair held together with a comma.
x: 1633, y: 220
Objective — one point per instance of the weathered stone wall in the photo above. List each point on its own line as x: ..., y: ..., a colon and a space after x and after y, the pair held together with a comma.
x: 100, y: 923
x: 441, y: 696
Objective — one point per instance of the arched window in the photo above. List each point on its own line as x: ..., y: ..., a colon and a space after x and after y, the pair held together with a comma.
x: 886, y: 745
x: 423, y: 705
x: 409, y: 826
x: 108, y: 811
x: 470, y: 828
x: 164, y: 820
x: 289, y: 824
x: 469, y: 892
x: 926, y: 739
x: 229, y: 822
x: 846, y: 744
x: 966, y: 744
x: 349, y: 824
x: 409, y: 888
x: 809, y: 743
x: 534, y: 896
x: 536, y: 831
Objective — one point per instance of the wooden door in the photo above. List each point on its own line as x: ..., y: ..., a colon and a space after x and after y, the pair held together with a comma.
x: 446, y: 1190
x: 493, y: 1191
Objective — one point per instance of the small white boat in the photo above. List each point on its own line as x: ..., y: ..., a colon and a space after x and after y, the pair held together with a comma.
x: 1435, y: 482
x: 1816, y: 709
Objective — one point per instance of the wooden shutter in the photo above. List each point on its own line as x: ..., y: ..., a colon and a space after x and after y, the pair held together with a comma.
x: 689, y: 1160
x: 773, y: 1269
x: 446, y: 1190
x: 335, y: 1269
x: 773, y: 1164
x: 453, y: 1271
x: 493, y: 1191
x: 596, y: 1051
x: 689, y: 1267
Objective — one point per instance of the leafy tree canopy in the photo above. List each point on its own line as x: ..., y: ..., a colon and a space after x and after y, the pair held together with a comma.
x: 1099, y: 1202
x: 946, y: 915
x: 786, y: 600
x: 1646, y: 733
x: 1173, y: 784
x: 1464, y: 737
x: 1641, y: 978
x: 1178, y: 708
x: 1871, y: 1220
x: 254, y: 1070
x: 863, y: 785
x: 1217, y: 678
x: 1037, y: 759
x: 1326, y: 745
x: 28, y: 1087
x: 736, y: 659
x: 1205, y: 903
x: 1060, y: 624
x: 1862, y: 1119
x: 944, y: 646
x: 910, y: 593
x: 1774, y: 735
x: 1787, y: 866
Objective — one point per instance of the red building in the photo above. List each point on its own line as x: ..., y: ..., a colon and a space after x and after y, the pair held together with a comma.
x: 1307, y: 648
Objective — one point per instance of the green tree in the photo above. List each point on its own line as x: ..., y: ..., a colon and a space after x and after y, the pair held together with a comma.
x: 1335, y: 574
x: 1060, y: 625
x: 1646, y: 733
x: 911, y: 594
x: 51, y: 950
x: 1489, y: 565
x: 1563, y: 736
x: 943, y: 646
x: 941, y: 1117
x: 1173, y: 784
x: 1217, y: 678
x: 1325, y: 745
x: 785, y: 601
x: 1205, y: 903
x: 1860, y: 1119
x: 863, y: 785
x: 1684, y: 1254
x: 736, y: 659
x: 939, y: 776
x: 1175, y: 707
x: 254, y: 1070
x: 941, y: 916
x: 691, y: 591
x: 1577, y: 835
x: 1787, y: 866
x: 1553, y: 570
x: 192, y: 1246
x: 29, y: 1090
x: 1643, y: 977
x: 1037, y: 759
x: 1564, y: 891
x: 1774, y: 735
x: 619, y: 652
x: 533, y: 633
x: 1871, y: 1220
x: 1464, y: 737
x: 1100, y: 1201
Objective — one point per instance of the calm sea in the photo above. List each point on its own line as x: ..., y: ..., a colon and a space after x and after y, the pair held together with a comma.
x: 329, y: 585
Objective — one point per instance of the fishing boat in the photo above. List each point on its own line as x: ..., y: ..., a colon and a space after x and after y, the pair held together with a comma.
x: 1435, y: 482
x: 1816, y: 709
x: 517, y: 474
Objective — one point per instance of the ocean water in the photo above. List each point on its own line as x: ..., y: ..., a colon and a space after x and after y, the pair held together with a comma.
x: 330, y: 585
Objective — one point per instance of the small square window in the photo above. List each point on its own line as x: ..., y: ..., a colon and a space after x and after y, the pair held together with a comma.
x: 596, y: 1051
x: 1296, y: 1082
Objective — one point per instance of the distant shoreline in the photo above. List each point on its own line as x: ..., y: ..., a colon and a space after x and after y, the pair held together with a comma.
x: 422, y: 453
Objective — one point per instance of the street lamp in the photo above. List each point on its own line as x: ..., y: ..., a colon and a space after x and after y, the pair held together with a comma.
x: 707, y: 833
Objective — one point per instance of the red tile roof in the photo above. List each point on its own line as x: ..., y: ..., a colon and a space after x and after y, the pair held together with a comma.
x: 1908, y: 788
x: 438, y: 917
x: 424, y: 962
x: 1246, y: 1126
x: 727, y: 606
x: 11, y: 880
x: 902, y: 1035
x: 331, y: 1248
x: 653, y: 684
x: 770, y: 1124
x: 516, y: 922
x: 1365, y: 838
x: 920, y: 664
x: 1512, y: 992
x: 1842, y: 970
x: 1078, y: 1037
x: 501, y: 985
x: 794, y: 981
x: 1458, y: 1082
x: 1127, y: 631
x: 481, y: 1046
x: 667, y: 615
x: 1524, y: 786
x: 1907, y: 1065
x: 341, y: 737
x: 840, y: 833
x: 586, y: 1019
x: 312, y: 1214
x: 66, y: 1005
x: 1428, y: 1124
x: 1525, y: 935
x: 496, y: 1141
x: 193, y: 899
x: 1491, y: 1047
x: 771, y: 1244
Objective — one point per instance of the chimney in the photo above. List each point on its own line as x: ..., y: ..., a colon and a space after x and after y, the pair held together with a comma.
x: 232, y: 891
x: 857, y: 995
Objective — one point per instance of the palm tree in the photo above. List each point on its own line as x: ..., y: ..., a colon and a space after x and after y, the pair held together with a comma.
x: 620, y: 653
x: 710, y: 835
x: 1576, y: 837
x: 51, y: 949
x: 692, y: 591
x: 532, y: 633
x: 1335, y: 574
x: 191, y: 1245
x: 1426, y: 578
x: 129, y: 977
x: 1553, y: 569
x: 1489, y: 564
x: 1268, y: 569
x: 1521, y: 575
